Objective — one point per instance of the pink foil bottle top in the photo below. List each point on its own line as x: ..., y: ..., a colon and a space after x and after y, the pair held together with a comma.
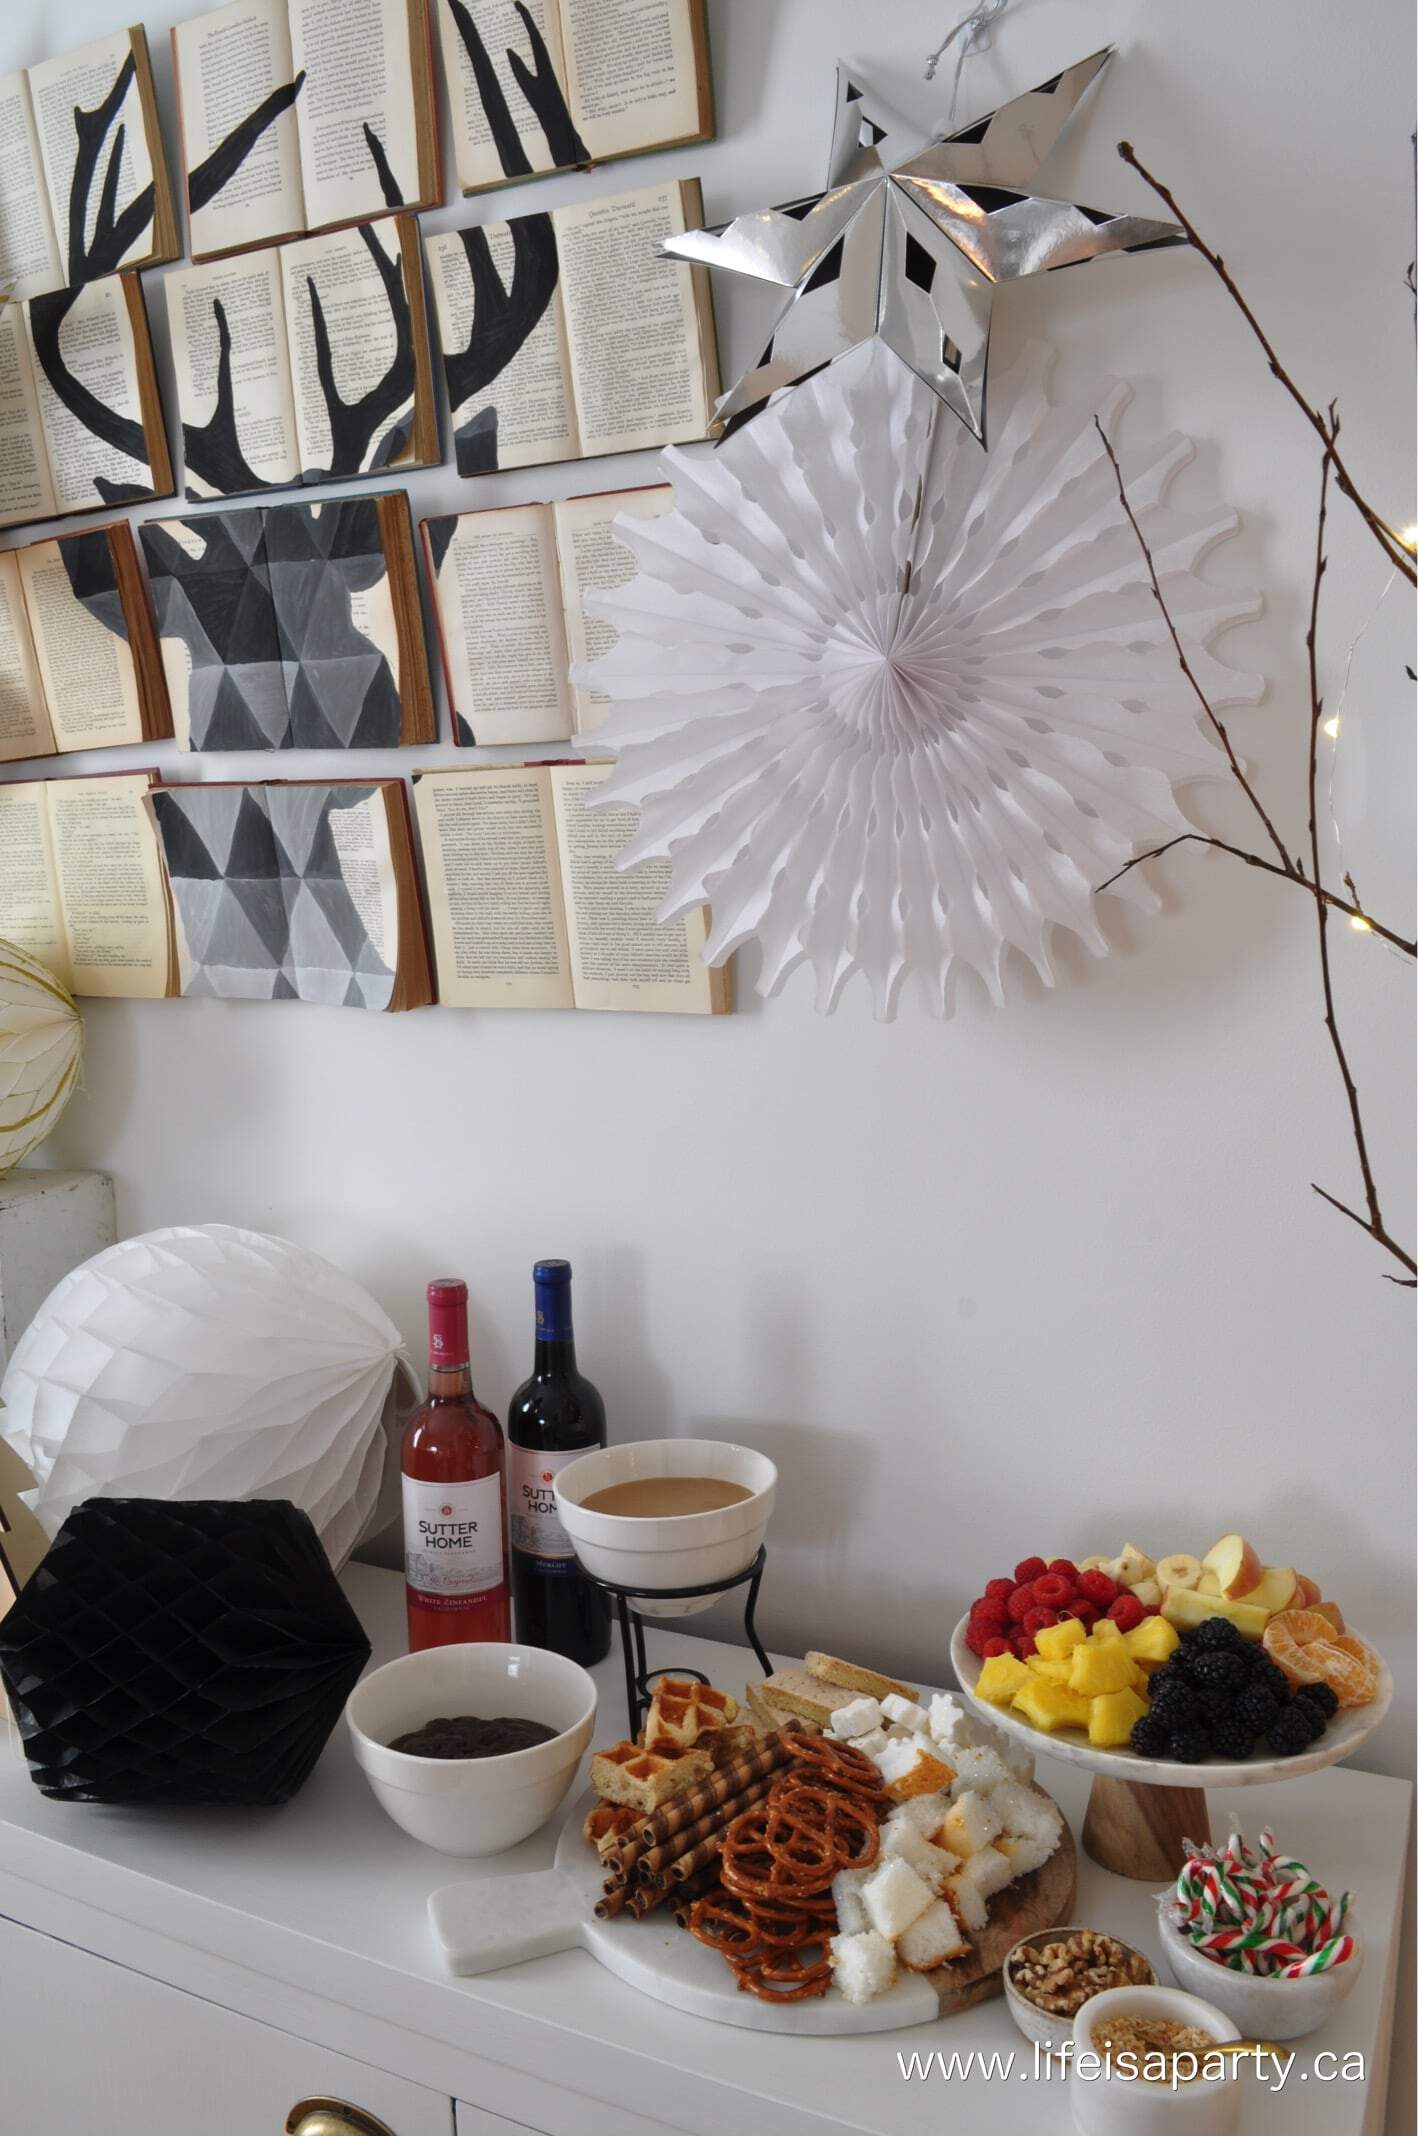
x: 447, y: 1323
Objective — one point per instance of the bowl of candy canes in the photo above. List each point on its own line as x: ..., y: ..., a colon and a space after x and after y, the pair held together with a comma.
x: 1254, y: 1933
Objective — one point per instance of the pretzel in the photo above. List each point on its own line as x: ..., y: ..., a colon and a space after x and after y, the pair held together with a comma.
x: 842, y: 1765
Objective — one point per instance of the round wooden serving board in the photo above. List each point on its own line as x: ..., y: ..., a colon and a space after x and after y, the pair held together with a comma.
x: 485, y: 1923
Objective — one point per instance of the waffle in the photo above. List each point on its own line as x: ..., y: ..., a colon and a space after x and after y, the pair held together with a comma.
x: 606, y: 1826
x: 646, y: 1779
x: 681, y: 1712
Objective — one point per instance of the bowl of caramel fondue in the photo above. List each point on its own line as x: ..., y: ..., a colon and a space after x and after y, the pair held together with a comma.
x: 667, y: 1513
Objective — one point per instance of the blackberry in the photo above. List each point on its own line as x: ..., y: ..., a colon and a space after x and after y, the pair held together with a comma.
x: 1321, y: 1698
x: 1233, y: 1739
x: 1256, y: 1707
x: 1216, y: 1707
x: 1178, y: 1702
x: 1149, y: 1736
x: 1275, y: 1680
x: 1190, y: 1745
x: 1218, y: 1669
x: 1289, y: 1732
x: 1218, y: 1632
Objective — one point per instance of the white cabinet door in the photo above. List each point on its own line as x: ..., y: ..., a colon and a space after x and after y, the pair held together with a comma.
x: 88, y: 2046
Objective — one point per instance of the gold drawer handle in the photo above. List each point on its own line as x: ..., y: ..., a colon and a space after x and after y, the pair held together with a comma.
x: 332, y: 2117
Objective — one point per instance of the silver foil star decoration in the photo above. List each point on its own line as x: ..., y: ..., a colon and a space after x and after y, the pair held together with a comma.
x: 910, y: 241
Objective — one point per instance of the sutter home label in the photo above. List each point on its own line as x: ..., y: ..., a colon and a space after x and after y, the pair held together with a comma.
x: 453, y: 1536
x: 532, y: 1519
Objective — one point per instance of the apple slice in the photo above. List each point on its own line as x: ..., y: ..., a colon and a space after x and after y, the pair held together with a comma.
x: 1332, y: 1611
x: 1235, y: 1564
x: 1307, y: 1592
x: 1148, y: 1593
x: 1208, y: 1584
x: 1185, y: 1609
x: 1276, y: 1589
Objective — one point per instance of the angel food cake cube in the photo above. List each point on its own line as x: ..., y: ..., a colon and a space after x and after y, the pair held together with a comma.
x: 894, y: 1895
x: 978, y: 1769
x: 988, y: 1871
x: 1023, y: 1810
x: 911, y: 1768
x: 971, y: 1823
x: 925, y: 1813
x: 863, y: 1965
x: 852, y: 1916
x: 932, y: 1938
x: 931, y: 1864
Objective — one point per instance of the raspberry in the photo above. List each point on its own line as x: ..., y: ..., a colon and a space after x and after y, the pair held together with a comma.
x: 1066, y: 1569
x: 996, y: 1646
x: 1028, y: 1569
x: 1098, y: 1587
x: 1126, y: 1612
x: 1086, y: 1612
x: 1152, y: 1609
x: 1020, y: 1603
x: 1039, y: 1620
x: 975, y: 1638
x: 989, y: 1610
x: 1053, y: 1591
x: 1023, y: 1644
x: 1000, y: 1590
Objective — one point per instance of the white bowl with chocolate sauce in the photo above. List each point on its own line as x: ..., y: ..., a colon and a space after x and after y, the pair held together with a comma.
x: 484, y: 1803
x: 667, y: 1513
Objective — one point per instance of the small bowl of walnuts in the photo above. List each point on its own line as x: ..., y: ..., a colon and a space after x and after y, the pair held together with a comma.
x: 1049, y: 1976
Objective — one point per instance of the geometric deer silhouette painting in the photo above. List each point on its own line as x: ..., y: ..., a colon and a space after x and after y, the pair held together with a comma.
x: 269, y: 635
x: 281, y: 892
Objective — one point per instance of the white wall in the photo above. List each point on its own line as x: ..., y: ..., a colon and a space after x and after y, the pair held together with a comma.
x: 1052, y: 1277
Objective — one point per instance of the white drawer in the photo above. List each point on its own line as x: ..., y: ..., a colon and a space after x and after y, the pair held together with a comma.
x: 86, y: 2045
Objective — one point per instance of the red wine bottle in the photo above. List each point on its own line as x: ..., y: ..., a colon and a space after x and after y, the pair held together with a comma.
x: 555, y: 1416
x: 455, y: 1541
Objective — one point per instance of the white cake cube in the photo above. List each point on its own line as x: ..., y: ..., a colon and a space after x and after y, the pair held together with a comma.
x: 858, y: 1719
x: 925, y: 1812
x: 863, y: 1965
x: 966, y: 1901
x: 931, y: 1864
x: 872, y: 1745
x: 970, y: 1824
x: 932, y: 1938
x: 904, y: 1710
x: 1019, y: 1761
x: 988, y: 1871
x: 1026, y: 1854
x: 979, y: 1768
x: 1023, y: 1810
x: 894, y: 1895
x: 847, y: 1897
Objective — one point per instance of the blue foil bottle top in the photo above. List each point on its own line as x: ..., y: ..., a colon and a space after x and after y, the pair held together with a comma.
x: 552, y: 1284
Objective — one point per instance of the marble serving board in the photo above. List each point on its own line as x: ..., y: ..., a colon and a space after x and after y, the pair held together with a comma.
x: 481, y: 1926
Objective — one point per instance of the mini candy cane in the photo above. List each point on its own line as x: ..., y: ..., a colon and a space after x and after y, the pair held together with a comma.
x: 1261, y: 1913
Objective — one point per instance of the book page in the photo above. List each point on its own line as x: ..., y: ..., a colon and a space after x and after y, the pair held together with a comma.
x: 83, y: 79
x: 228, y: 63
x: 26, y: 491
x: 594, y: 559
x: 27, y: 245
x: 216, y: 624
x: 522, y: 416
x: 262, y: 404
x: 30, y: 912
x: 621, y: 957
x: 631, y: 325
x: 344, y: 930
x: 96, y: 349
x: 90, y: 679
x: 111, y: 885
x: 630, y: 66
x: 358, y: 75
x: 334, y: 613
x: 25, y: 730
x: 502, y: 30
x: 494, y: 899
x: 499, y: 607
x: 364, y: 340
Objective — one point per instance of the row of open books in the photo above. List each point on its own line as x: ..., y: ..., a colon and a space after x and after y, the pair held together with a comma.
x: 303, y: 115
x: 309, y: 890
x: 564, y: 336
x: 299, y: 626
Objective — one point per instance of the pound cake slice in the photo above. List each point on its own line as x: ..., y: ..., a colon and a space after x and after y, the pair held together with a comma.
x: 793, y: 1691
x: 869, y: 1682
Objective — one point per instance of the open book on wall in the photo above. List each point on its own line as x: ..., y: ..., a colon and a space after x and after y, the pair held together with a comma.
x: 306, y: 362
x: 79, y: 660
x: 293, y: 626
x: 564, y: 336
x: 528, y: 910
x: 509, y: 595
x: 296, y: 890
x: 303, y: 115
x: 85, y: 187
x: 82, y: 884
x: 80, y: 420
x: 550, y: 85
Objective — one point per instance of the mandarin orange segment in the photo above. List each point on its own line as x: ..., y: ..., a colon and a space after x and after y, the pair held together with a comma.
x: 1353, y: 1674
x: 1289, y: 1634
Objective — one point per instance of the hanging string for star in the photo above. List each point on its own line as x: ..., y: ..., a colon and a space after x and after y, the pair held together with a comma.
x: 974, y: 33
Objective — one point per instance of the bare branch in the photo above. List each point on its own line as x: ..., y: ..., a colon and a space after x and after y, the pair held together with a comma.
x: 1354, y: 911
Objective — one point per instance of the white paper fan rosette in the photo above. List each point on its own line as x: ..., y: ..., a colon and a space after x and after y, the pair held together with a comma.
x: 41, y: 1046
x: 205, y: 1362
x: 890, y: 703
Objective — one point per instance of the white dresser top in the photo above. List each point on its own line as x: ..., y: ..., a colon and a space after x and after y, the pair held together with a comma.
x: 313, y: 1917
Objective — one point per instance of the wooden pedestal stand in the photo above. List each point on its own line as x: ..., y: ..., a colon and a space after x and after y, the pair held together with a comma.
x: 1139, y: 1831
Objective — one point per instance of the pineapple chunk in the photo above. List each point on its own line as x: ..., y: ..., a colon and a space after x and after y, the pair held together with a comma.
x: 1001, y: 1677
x: 1053, y: 1672
x: 1055, y: 1640
x: 1186, y: 1608
x: 1111, y: 1717
x: 1101, y: 1665
x: 1152, y: 1642
x: 1105, y: 1629
x: 1050, y: 1706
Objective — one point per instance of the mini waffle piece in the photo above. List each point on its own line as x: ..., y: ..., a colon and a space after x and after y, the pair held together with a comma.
x: 646, y: 1779
x: 681, y: 1712
x: 606, y: 1826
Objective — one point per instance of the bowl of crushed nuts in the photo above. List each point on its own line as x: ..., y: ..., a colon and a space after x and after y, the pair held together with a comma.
x: 1049, y: 1976
x: 1152, y: 2062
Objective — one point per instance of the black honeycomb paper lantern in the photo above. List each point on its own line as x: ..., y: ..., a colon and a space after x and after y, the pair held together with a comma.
x: 180, y: 1655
